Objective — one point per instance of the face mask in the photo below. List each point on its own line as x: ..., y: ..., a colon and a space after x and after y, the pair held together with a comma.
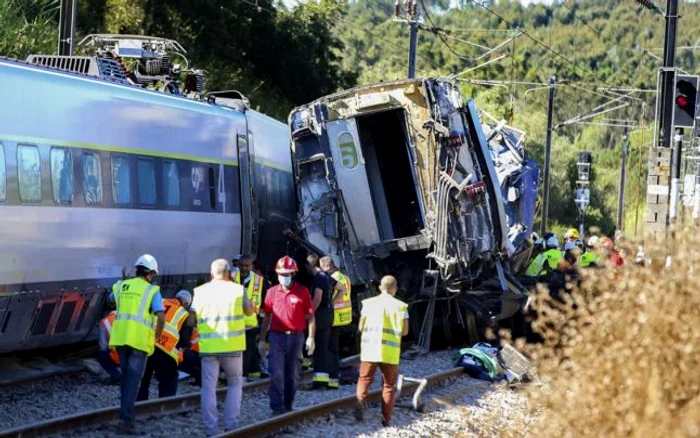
x: 285, y: 281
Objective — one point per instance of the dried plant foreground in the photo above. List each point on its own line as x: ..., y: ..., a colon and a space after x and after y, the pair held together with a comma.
x: 621, y: 357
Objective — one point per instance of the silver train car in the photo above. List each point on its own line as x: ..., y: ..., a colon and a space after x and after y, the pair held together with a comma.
x: 95, y: 172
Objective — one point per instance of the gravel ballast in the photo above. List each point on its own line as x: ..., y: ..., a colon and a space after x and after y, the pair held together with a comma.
x: 462, y: 415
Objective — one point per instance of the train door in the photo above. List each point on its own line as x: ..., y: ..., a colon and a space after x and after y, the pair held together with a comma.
x: 350, y: 171
x: 245, y: 177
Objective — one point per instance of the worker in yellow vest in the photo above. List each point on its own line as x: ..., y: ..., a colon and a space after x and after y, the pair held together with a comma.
x: 253, y: 284
x: 139, y: 322
x: 221, y: 307
x: 383, y: 321
x: 166, y: 357
x: 342, y: 317
x: 107, y: 357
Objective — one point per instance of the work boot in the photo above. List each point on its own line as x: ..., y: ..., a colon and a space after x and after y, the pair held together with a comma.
x: 277, y: 412
x: 359, y: 411
x: 127, y: 428
x: 385, y: 423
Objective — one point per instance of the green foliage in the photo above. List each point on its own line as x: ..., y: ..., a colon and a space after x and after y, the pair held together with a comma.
x: 598, y: 44
x: 28, y: 26
x: 278, y: 58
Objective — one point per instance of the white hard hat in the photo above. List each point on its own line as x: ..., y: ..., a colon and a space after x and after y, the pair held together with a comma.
x: 552, y: 242
x: 184, y: 296
x: 147, y: 261
x: 593, y: 241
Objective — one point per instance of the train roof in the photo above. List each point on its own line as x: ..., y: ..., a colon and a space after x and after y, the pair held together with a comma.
x: 121, y: 83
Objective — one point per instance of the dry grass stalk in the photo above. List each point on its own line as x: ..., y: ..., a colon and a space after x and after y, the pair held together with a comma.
x: 621, y: 355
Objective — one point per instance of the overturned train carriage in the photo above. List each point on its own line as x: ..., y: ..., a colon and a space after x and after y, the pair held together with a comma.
x: 398, y: 178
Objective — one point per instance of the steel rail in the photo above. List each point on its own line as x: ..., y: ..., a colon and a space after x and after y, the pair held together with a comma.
x: 161, y: 406
x: 274, y: 424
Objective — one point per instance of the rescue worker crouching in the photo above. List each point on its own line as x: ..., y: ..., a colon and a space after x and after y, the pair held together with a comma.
x: 166, y: 357
x: 254, y: 287
x: 547, y: 261
x: 221, y: 306
x: 107, y: 357
x: 342, y: 317
x: 191, y: 362
x: 383, y: 321
x: 139, y: 308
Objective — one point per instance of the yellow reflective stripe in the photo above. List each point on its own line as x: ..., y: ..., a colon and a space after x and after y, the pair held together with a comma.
x: 142, y: 306
x: 391, y: 343
x: 392, y: 332
x: 136, y: 318
x: 179, y: 316
x: 172, y: 330
x: 321, y: 377
x: 221, y: 335
x: 219, y: 318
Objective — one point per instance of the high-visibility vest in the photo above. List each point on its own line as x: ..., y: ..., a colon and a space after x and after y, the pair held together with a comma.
x: 588, y: 259
x: 381, y: 334
x: 220, y: 322
x: 254, y: 291
x: 134, y: 324
x: 175, y: 317
x: 544, y: 263
x: 107, y: 322
x: 194, y: 340
x: 342, y: 308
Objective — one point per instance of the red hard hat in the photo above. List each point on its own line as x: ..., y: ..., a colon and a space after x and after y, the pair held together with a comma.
x: 607, y: 242
x: 286, y: 265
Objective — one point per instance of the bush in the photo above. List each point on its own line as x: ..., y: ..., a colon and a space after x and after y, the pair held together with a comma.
x: 621, y: 357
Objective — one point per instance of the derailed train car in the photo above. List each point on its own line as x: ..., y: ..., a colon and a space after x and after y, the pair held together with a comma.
x: 400, y: 178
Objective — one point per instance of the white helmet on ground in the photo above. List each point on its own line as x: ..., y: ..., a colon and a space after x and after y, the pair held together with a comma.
x: 147, y: 261
x: 185, y: 297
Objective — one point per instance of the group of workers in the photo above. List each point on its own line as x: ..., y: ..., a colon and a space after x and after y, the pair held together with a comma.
x: 218, y: 326
x: 548, y: 258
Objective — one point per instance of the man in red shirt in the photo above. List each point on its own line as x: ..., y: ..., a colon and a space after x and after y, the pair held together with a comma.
x: 287, y: 310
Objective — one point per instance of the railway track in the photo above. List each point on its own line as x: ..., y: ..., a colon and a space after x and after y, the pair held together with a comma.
x: 14, y: 370
x: 156, y: 407
x: 272, y: 425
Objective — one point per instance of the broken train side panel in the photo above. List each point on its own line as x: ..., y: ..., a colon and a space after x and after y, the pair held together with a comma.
x: 398, y: 178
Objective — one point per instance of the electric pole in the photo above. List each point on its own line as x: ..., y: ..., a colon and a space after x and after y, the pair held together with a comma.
x: 67, y: 15
x: 668, y: 76
x: 621, y: 188
x: 412, y: 18
x: 547, y: 158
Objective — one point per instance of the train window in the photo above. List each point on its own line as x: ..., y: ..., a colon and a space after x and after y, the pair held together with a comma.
x: 147, y: 181
x: 62, y: 175
x: 3, y: 175
x: 171, y: 183
x: 29, y: 171
x: 121, y: 180
x: 92, y: 178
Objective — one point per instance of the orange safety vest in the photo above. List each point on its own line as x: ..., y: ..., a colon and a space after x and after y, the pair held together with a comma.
x: 107, y: 322
x: 175, y: 316
x: 194, y: 340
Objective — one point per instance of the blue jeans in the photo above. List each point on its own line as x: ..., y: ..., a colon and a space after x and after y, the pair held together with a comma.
x: 106, y: 362
x: 133, y: 363
x: 284, y: 368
